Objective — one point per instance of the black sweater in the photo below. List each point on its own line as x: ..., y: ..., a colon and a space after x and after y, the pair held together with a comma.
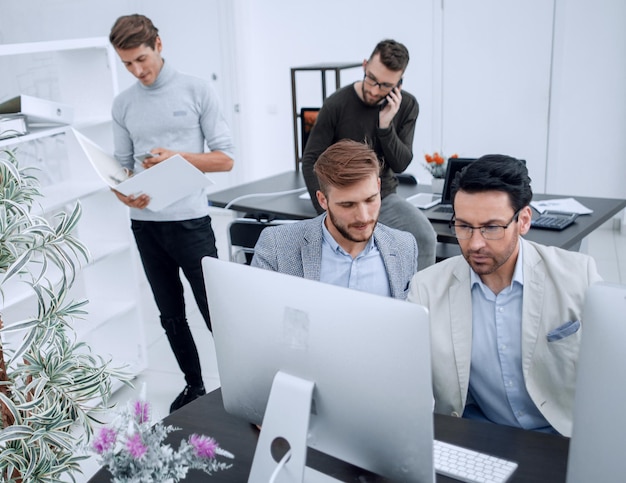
x: 345, y: 116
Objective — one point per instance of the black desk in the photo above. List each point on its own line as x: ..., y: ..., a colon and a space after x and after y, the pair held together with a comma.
x: 291, y: 206
x: 541, y: 457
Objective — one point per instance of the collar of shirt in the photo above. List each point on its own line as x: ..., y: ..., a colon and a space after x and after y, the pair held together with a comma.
x: 365, y: 272
x: 328, y: 238
x: 166, y: 73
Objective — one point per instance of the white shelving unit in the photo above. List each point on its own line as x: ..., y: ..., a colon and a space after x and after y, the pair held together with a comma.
x: 81, y: 73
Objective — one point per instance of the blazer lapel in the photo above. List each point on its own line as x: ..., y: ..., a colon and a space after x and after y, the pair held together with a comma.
x: 312, y: 250
x: 387, y: 248
x: 532, y: 306
x: 460, y: 307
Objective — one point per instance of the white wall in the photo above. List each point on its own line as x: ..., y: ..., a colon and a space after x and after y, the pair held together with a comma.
x: 261, y: 40
x: 274, y: 35
x: 587, y: 145
x: 496, y: 80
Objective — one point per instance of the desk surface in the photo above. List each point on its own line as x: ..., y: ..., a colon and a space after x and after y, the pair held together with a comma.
x: 541, y: 457
x: 291, y: 206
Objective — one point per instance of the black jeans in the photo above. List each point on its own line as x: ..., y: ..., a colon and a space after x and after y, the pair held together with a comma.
x: 165, y: 248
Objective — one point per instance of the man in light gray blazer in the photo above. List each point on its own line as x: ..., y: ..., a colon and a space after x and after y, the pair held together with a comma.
x: 506, y: 315
x: 346, y: 245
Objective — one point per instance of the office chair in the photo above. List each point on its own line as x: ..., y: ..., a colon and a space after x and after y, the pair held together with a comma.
x: 243, y: 234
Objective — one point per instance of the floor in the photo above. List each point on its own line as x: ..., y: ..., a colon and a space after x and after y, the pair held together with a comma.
x: 163, y: 381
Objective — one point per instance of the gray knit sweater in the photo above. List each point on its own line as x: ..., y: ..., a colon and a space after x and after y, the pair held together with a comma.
x: 177, y: 112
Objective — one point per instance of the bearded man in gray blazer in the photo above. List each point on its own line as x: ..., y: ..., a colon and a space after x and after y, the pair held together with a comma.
x: 505, y: 316
x: 346, y: 245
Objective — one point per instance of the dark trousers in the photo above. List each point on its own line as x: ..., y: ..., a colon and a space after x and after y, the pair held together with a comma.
x: 165, y: 248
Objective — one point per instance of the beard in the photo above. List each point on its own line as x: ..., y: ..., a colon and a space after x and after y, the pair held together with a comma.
x: 485, y: 262
x: 368, y: 98
x: 349, y: 232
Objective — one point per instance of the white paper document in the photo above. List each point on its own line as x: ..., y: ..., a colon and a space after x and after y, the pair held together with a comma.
x: 165, y: 182
x: 564, y: 205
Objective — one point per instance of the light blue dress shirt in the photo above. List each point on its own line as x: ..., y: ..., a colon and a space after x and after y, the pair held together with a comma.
x: 496, y: 388
x: 365, y: 272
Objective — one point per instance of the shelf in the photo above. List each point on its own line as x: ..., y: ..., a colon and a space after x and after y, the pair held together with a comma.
x: 38, y: 131
x: 121, y: 339
x: 107, y: 249
x: 80, y: 73
x: 53, y: 46
x: 35, y: 132
x: 100, y: 313
x: 322, y: 68
x: 58, y: 196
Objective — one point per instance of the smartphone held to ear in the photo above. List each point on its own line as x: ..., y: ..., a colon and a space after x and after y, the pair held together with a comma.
x: 385, y: 101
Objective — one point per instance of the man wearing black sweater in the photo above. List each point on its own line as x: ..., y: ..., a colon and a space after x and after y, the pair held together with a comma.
x: 377, y: 111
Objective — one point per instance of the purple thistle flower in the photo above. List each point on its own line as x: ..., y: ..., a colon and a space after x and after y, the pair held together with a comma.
x: 204, y: 447
x: 142, y: 411
x: 135, y: 446
x: 105, y: 440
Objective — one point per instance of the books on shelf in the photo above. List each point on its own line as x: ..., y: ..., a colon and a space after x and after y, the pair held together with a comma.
x: 165, y: 183
x: 37, y: 110
x: 12, y: 125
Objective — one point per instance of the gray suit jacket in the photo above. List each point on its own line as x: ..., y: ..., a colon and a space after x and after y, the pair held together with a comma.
x: 296, y: 249
x: 555, y: 282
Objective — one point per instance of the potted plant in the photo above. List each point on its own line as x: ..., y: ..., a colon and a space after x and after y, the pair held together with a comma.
x: 437, y: 164
x: 51, y: 385
x: 133, y: 449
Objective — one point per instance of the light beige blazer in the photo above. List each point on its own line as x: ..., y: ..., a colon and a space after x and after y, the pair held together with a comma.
x: 555, y: 282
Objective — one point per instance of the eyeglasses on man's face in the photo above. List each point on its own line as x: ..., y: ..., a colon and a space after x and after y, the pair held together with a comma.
x: 489, y: 232
x: 371, y: 81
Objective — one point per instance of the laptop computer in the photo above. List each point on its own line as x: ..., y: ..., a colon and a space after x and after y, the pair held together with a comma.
x: 443, y: 211
x: 596, y: 450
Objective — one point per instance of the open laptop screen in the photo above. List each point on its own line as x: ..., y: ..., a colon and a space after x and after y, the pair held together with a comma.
x: 454, y: 166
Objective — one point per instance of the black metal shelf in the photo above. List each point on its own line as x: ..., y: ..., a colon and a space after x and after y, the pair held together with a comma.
x: 335, y: 67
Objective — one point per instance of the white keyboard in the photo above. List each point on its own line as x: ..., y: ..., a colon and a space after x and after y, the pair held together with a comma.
x: 470, y: 466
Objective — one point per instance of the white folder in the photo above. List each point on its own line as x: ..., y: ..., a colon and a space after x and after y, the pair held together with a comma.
x: 165, y: 182
x: 38, y: 110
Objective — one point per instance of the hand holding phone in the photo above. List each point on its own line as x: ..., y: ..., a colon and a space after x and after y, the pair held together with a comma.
x: 140, y: 158
x: 395, y: 90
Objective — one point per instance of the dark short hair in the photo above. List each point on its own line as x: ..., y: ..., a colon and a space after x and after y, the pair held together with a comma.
x: 132, y: 31
x: 496, y: 172
x: 345, y: 163
x: 393, y: 55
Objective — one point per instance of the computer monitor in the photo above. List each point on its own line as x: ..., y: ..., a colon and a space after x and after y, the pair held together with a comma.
x: 342, y: 371
x: 596, y: 451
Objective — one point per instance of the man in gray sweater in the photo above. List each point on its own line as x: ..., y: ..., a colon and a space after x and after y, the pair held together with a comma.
x: 167, y: 113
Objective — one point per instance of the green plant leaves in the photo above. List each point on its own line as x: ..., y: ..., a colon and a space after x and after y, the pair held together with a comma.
x: 53, y: 381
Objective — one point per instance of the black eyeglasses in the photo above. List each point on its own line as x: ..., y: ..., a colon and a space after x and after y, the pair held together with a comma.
x: 489, y: 232
x: 372, y: 82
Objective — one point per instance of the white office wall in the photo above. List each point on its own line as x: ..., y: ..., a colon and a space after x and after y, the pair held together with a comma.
x: 258, y: 41
x: 496, y: 80
x: 275, y: 35
x: 587, y: 145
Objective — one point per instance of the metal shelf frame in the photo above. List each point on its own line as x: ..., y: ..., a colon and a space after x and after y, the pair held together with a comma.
x: 323, y: 68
